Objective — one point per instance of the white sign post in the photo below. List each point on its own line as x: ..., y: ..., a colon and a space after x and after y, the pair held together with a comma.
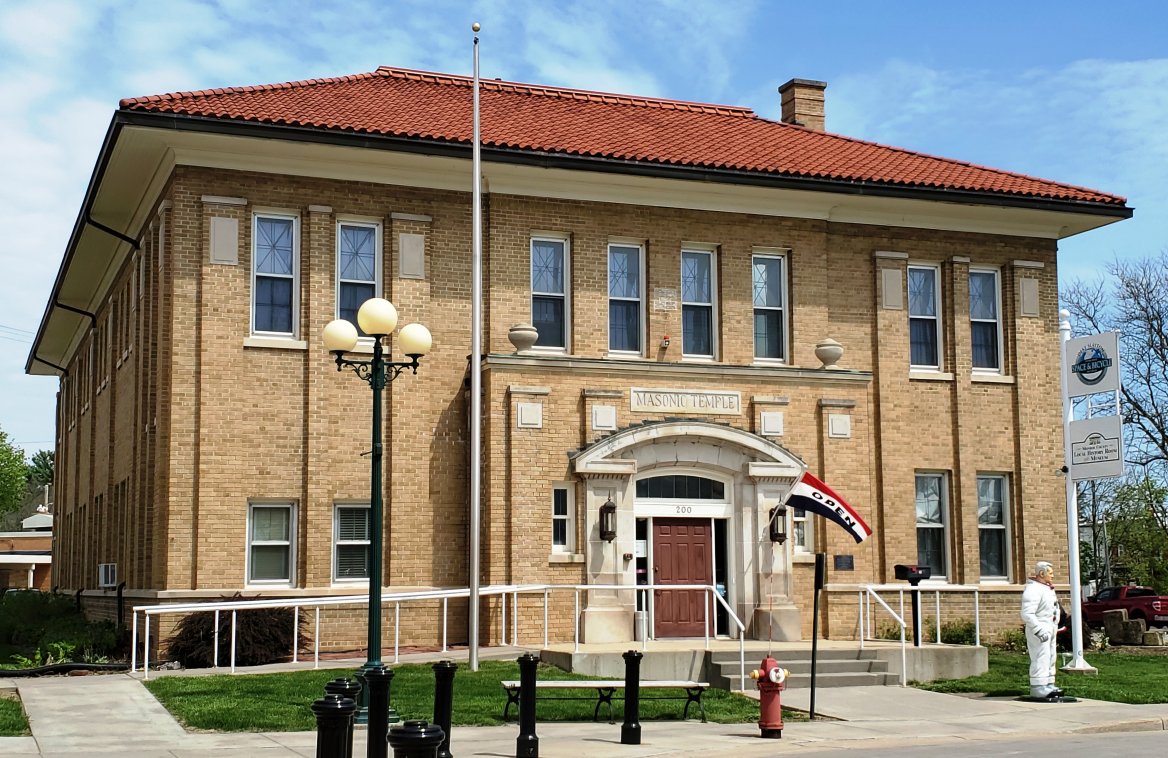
x: 1093, y: 448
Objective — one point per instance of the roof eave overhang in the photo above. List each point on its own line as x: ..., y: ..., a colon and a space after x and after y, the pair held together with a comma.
x: 67, y: 309
x: 542, y: 159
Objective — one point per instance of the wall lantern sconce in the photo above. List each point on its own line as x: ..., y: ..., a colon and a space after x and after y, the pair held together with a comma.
x: 778, y: 522
x: 608, y: 521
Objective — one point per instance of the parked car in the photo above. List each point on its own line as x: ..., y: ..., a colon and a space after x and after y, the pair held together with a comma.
x: 1140, y: 602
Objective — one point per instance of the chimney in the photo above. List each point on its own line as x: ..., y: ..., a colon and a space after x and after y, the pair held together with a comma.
x: 803, y: 103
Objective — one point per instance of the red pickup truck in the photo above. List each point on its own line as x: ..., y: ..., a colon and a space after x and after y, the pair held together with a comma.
x: 1140, y: 602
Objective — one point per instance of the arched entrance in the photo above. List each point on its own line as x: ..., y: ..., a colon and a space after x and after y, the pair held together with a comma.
x: 695, y: 495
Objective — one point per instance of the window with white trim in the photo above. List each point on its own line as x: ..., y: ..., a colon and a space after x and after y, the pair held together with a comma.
x: 984, y: 319
x: 563, y: 523
x: 697, y: 303
x: 992, y: 527
x: 801, y: 531
x: 358, y: 267
x: 770, y: 322
x: 625, y: 322
x: 270, y: 527
x: 275, y: 275
x: 549, y: 290
x: 924, y: 316
x: 932, y: 506
x: 351, y: 530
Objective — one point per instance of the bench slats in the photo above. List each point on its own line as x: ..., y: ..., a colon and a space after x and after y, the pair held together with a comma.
x: 606, y: 690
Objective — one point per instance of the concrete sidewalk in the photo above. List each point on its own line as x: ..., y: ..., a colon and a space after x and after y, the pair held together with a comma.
x: 93, y: 715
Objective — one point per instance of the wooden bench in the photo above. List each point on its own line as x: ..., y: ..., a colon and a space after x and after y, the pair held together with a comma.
x: 605, y: 689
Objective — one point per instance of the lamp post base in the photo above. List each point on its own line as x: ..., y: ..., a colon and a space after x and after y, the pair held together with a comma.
x: 362, y: 714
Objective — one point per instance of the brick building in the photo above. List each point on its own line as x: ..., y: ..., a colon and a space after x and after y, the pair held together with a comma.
x: 688, y: 269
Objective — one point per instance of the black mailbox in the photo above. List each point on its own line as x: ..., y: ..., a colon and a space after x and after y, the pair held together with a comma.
x: 912, y: 574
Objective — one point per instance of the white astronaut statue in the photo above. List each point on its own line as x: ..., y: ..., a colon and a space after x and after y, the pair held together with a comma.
x: 1040, y: 611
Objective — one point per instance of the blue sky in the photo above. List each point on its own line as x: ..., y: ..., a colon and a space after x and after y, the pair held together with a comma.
x: 1072, y: 91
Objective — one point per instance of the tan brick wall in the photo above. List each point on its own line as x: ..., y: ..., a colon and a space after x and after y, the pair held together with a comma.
x: 199, y: 425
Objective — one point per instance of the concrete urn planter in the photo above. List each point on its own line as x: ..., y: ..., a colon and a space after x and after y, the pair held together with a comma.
x: 522, y: 336
x: 829, y: 352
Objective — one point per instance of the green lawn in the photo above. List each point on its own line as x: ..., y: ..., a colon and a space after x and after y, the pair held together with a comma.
x: 280, y: 702
x: 1123, y: 678
x: 12, y: 720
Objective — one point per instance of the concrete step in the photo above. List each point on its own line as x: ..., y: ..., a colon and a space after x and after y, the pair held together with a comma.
x: 802, y: 681
x: 844, y: 669
x: 783, y: 656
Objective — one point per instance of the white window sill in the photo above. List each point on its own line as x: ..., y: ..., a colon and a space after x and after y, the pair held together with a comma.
x: 992, y: 378
x: 930, y: 376
x: 566, y: 558
x: 350, y: 583
x: 268, y: 585
x: 697, y: 359
x: 624, y: 356
x: 769, y: 362
x: 279, y: 343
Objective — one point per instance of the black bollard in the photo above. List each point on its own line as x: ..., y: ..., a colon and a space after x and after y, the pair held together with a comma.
x: 631, y: 729
x: 345, y: 688
x: 416, y: 739
x: 527, y: 744
x: 334, y: 726
x: 377, y: 679
x: 444, y: 702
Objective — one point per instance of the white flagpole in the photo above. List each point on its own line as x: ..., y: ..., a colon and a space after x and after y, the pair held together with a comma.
x: 1077, y: 662
x: 476, y: 380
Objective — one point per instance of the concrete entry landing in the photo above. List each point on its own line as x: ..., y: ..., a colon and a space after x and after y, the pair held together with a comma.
x: 839, y: 663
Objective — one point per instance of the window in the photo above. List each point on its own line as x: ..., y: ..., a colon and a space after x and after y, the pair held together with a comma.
x: 800, y: 531
x: 549, y: 293
x: 351, y: 530
x: 269, y: 556
x: 358, y: 268
x: 681, y: 486
x: 624, y: 298
x: 697, y: 303
x: 931, y: 504
x: 274, y: 271
x: 770, y: 326
x: 924, y: 307
x: 984, y: 322
x: 563, y: 531
x: 991, y: 527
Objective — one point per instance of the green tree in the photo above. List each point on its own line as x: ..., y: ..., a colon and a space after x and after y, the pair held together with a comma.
x: 40, y: 469
x: 1139, y: 551
x: 13, y: 473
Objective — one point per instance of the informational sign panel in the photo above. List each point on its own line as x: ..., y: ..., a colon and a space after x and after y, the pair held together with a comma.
x: 1097, y: 448
x: 1093, y: 364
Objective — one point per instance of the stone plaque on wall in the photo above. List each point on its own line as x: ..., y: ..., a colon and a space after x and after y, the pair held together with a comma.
x: 717, y: 402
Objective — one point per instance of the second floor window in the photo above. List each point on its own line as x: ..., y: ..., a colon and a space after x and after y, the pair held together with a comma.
x: 769, y: 323
x: 624, y: 298
x: 924, y: 308
x: 549, y: 293
x: 274, y: 272
x: 697, y: 303
x: 358, y: 272
x: 984, y: 322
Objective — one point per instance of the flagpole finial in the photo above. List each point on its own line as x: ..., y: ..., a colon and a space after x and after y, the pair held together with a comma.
x: 475, y: 27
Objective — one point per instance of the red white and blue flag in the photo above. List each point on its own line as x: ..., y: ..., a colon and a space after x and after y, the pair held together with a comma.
x: 810, y: 494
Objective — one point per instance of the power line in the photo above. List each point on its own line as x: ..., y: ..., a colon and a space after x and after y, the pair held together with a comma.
x: 7, y: 328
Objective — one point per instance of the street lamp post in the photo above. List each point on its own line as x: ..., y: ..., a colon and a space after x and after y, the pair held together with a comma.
x: 377, y: 318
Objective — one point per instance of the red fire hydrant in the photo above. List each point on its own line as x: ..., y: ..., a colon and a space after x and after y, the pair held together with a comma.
x: 770, y: 680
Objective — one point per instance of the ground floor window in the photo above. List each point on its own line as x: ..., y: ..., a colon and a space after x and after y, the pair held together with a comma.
x: 270, y: 529
x: 993, y: 536
x: 351, y: 530
x: 563, y: 531
x: 800, y: 531
x: 932, y: 518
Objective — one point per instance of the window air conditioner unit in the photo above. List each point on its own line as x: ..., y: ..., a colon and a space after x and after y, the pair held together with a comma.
x: 107, y: 575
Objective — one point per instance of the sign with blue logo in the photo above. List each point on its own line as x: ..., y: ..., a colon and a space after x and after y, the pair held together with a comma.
x: 1093, y: 364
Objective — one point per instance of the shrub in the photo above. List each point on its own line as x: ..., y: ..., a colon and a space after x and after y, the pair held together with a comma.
x: 890, y: 630
x: 1012, y: 640
x: 959, y: 632
x: 262, y: 635
x: 48, y: 626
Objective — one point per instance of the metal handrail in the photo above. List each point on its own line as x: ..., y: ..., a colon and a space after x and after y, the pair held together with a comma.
x: 871, y: 593
x: 937, y: 590
x: 397, y: 598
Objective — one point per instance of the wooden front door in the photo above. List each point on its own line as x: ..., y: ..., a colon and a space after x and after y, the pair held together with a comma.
x: 682, y: 554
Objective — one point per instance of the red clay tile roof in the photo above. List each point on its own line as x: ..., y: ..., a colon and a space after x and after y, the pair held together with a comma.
x: 416, y: 104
